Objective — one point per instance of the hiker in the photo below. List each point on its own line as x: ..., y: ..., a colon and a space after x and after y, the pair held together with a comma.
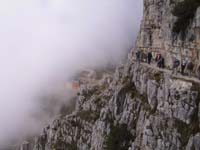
x: 144, y: 57
x: 158, y: 57
x: 162, y: 62
x: 190, y: 67
x: 159, y: 60
x: 176, y: 64
x: 149, y: 57
x: 183, y: 66
x: 138, y: 56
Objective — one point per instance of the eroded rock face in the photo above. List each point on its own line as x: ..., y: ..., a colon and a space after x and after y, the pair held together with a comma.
x: 155, y: 110
x: 160, y: 113
x: 156, y: 33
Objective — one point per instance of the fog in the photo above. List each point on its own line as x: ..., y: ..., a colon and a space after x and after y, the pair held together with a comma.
x: 44, y: 42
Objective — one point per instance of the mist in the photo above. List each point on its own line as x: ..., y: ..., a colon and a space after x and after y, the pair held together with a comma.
x: 44, y: 42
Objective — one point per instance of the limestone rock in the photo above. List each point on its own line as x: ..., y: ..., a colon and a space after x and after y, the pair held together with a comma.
x: 158, y: 111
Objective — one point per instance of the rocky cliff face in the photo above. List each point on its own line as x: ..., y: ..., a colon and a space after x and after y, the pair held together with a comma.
x: 136, y: 108
x: 156, y: 32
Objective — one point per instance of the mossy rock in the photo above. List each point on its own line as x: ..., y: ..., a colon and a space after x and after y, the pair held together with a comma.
x: 119, y: 138
x: 72, y: 146
x: 88, y: 115
x: 156, y: 76
x: 187, y: 130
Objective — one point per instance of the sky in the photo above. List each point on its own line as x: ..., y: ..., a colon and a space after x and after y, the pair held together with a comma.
x: 44, y: 42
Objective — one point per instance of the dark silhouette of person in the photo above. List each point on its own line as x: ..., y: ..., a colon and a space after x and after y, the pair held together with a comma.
x: 176, y: 64
x: 190, y: 67
x: 183, y: 66
x: 162, y: 62
x: 138, y: 56
x: 149, y: 57
x: 159, y: 60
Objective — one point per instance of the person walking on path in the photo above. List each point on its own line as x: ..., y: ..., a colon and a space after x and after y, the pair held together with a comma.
x: 183, y: 66
x: 149, y: 57
x: 159, y: 60
x: 176, y: 64
x: 138, y: 56
x: 158, y: 57
x: 162, y: 62
x: 190, y: 67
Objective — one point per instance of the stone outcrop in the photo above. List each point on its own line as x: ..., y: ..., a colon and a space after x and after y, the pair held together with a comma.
x: 160, y: 113
x: 137, y: 107
x: 156, y: 33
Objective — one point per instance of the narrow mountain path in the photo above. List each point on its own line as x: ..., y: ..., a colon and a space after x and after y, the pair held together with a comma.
x: 178, y: 76
x: 153, y: 65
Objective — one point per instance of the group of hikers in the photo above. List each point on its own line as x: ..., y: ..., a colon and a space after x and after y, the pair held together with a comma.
x: 142, y: 57
x: 185, y: 67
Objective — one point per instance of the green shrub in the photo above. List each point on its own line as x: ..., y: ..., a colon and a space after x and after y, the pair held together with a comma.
x: 119, y: 138
x: 185, y: 11
x: 184, y: 130
x: 72, y: 146
x: 78, y: 94
x: 59, y: 145
x: 187, y: 130
x: 88, y: 115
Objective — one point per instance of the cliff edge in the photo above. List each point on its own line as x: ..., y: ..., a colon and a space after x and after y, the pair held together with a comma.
x: 137, y: 107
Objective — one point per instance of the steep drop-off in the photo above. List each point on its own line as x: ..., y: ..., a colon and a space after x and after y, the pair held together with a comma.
x: 136, y: 108
x: 153, y: 110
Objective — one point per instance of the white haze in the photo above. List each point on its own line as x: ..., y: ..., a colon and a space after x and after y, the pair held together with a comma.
x: 43, y: 42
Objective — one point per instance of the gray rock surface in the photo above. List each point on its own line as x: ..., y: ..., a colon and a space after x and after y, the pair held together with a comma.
x: 159, y: 114
x: 154, y: 110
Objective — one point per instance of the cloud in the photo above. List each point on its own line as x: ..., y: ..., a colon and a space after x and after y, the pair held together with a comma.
x: 44, y: 42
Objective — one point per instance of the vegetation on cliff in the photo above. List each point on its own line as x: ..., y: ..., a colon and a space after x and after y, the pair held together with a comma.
x: 119, y: 138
